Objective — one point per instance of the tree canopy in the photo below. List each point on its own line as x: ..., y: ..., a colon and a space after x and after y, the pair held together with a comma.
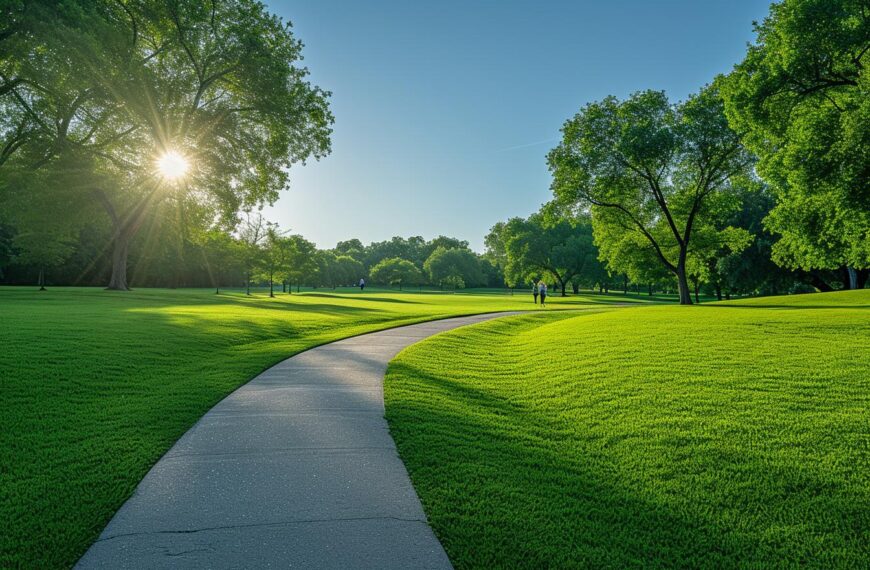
x: 116, y: 85
x: 454, y: 267
x: 396, y: 271
x: 530, y: 249
x: 801, y: 100
x: 651, y: 168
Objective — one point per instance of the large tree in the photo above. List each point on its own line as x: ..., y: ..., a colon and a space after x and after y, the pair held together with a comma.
x: 456, y: 267
x: 222, y: 255
x: 649, y: 167
x: 801, y: 97
x: 216, y: 83
x: 277, y: 253
x: 396, y: 271
x: 543, y: 245
x: 303, y: 262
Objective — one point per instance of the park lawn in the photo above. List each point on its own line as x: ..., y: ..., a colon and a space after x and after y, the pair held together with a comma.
x: 725, y: 435
x: 97, y: 385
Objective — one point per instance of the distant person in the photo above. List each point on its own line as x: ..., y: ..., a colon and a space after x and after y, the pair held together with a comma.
x: 362, y: 284
x: 542, y: 291
x: 535, y: 291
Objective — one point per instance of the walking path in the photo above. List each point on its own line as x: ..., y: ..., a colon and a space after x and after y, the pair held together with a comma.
x: 294, y: 469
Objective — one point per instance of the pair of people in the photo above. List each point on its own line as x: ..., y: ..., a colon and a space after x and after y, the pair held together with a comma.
x: 539, y: 289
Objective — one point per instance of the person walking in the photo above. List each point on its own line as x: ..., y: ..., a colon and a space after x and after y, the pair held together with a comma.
x: 535, y: 291
x: 542, y: 291
x: 362, y: 284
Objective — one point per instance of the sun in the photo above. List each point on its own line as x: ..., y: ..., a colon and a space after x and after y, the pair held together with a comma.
x: 172, y: 165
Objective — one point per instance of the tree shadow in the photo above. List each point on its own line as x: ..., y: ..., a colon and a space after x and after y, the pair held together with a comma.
x: 333, y: 309
x: 795, y: 307
x: 501, y: 488
x: 363, y: 298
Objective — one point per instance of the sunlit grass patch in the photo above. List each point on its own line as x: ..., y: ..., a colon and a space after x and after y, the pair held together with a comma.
x: 732, y: 435
x: 97, y: 385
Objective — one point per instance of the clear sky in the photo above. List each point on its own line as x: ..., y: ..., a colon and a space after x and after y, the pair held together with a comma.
x: 445, y: 109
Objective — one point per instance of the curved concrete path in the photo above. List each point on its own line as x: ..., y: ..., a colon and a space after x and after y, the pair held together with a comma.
x: 294, y: 469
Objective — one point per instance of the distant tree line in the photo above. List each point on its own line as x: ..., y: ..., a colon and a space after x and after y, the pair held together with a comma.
x: 259, y: 253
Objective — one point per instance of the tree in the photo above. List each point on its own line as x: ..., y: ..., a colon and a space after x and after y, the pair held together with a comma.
x: 221, y: 254
x: 252, y: 235
x: 45, y: 223
x: 629, y: 254
x: 334, y: 270
x: 302, y: 264
x: 348, y: 270
x: 6, y: 251
x: 752, y: 270
x: 276, y: 255
x: 216, y: 82
x: 396, y: 271
x: 495, y: 243
x: 44, y: 251
x: 544, y: 244
x: 352, y: 247
x: 493, y: 275
x: 801, y: 99
x: 454, y: 267
x: 648, y: 167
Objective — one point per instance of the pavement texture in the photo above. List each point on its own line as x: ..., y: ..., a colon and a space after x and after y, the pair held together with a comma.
x: 295, y: 469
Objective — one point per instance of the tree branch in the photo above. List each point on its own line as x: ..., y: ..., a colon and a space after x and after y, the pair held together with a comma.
x: 640, y: 227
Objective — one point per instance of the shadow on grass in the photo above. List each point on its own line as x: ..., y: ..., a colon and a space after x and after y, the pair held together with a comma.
x: 363, y: 297
x: 502, y: 487
x: 795, y: 307
x: 332, y: 309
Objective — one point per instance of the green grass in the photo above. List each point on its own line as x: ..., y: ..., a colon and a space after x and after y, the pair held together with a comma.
x: 714, y: 436
x: 97, y: 385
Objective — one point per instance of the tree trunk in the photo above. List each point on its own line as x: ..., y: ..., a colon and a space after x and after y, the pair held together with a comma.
x: 862, y: 277
x: 271, y: 287
x: 297, y: 287
x: 283, y: 286
x: 575, y: 288
x: 562, y: 284
x: 696, y: 292
x: 853, y: 277
x: 120, y: 248
x: 625, y: 284
x: 649, y: 290
x: 817, y: 282
x: 42, y: 278
x: 125, y: 227
x: 683, y: 282
x: 718, y: 292
x: 248, y: 283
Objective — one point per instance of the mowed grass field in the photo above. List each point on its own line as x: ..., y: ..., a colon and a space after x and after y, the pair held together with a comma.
x: 726, y: 435
x: 97, y: 385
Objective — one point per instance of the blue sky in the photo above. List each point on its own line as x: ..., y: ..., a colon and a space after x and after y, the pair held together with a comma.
x: 446, y: 109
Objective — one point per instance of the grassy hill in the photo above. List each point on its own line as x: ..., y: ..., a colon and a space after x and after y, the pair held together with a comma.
x: 731, y: 434
x: 97, y: 386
